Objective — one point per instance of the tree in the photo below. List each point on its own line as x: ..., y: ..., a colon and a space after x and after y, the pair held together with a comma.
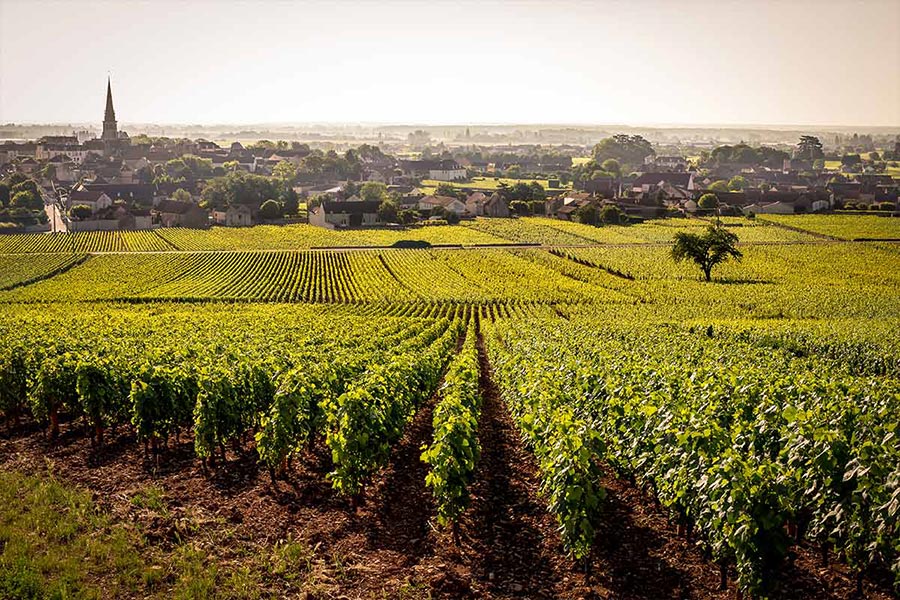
x: 587, y: 215
x: 387, y: 211
x: 239, y: 188
x: 407, y: 216
x: 80, y: 212
x: 290, y: 201
x: 706, y: 250
x: 708, y: 201
x: 744, y: 154
x: 737, y: 183
x: 520, y: 207
x: 373, y: 191
x: 719, y: 186
x: 627, y: 149
x: 181, y: 195
x: 611, y: 214
x: 537, y: 191
x: 809, y: 147
x: 612, y: 166
x: 4, y: 194
x: 285, y: 172
x: 26, y: 199
x: 447, y: 189
x: 271, y: 210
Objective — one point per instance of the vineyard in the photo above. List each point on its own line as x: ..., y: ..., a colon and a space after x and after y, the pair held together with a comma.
x: 531, y: 230
x: 235, y: 413
x: 845, y: 228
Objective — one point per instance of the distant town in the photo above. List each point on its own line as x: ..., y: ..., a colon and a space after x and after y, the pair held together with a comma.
x: 82, y: 182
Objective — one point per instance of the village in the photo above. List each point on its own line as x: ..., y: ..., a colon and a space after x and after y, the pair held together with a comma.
x: 80, y: 182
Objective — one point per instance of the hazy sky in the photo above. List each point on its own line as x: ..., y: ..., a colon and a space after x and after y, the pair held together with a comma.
x: 639, y: 62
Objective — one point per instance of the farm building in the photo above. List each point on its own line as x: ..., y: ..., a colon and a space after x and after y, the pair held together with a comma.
x: 453, y: 205
x: 172, y: 213
x: 343, y: 213
x: 236, y: 215
x: 495, y: 206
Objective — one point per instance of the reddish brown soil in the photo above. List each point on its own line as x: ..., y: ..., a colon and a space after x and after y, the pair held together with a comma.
x: 389, y: 546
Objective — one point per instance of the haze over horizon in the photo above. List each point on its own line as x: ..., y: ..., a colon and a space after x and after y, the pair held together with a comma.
x: 760, y: 63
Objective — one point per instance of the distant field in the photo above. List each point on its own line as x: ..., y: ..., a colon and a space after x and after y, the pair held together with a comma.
x: 491, y: 183
x: 481, y: 231
x: 845, y: 227
x: 542, y: 230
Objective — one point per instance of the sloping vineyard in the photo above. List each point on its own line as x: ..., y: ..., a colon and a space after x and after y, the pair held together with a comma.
x: 754, y: 449
x: 757, y: 414
x: 844, y: 227
x: 228, y: 381
x: 294, y: 237
x: 313, y: 276
x: 455, y: 449
x: 16, y: 271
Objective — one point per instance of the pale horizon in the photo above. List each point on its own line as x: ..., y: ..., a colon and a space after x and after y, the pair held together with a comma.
x: 696, y: 64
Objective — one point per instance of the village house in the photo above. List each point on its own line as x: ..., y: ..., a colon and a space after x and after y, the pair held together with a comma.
x: 668, y: 163
x: 552, y: 206
x: 441, y: 170
x: 342, y: 213
x: 113, y: 218
x: 133, y: 193
x: 570, y: 210
x: 28, y: 165
x: 648, y: 182
x: 76, y: 152
x: 770, y: 208
x: 10, y: 151
x: 63, y: 168
x: 607, y: 187
x: 95, y: 199
x: 454, y: 205
x: 496, y: 206
x: 172, y: 213
x: 475, y: 203
x: 236, y: 215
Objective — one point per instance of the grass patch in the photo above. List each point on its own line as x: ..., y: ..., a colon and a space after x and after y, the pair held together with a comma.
x: 150, y: 498
x: 56, y: 543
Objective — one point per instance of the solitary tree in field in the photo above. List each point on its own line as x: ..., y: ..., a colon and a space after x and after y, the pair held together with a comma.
x: 707, y: 250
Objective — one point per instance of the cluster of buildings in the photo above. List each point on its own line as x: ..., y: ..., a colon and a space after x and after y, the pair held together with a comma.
x: 114, y: 178
x: 355, y: 212
x: 116, y: 183
x: 651, y: 194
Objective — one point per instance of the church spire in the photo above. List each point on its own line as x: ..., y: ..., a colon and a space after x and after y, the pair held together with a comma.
x: 110, y: 114
x: 110, y: 128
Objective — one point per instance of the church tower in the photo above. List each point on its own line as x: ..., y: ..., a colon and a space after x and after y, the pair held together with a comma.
x: 110, y: 130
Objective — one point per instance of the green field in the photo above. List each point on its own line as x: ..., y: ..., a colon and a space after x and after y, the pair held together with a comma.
x: 242, y: 416
x: 843, y: 227
x: 491, y: 183
x: 481, y: 231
